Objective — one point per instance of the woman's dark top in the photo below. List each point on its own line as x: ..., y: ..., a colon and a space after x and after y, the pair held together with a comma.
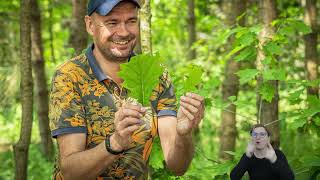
x: 263, y: 169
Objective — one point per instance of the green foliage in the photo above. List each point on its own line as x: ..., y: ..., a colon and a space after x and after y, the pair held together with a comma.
x: 38, y: 167
x: 191, y: 78
x: 157, y: 162
x: 267, y: 91
x: 272, y: 48
x: 141, y: 75
x: 156, y: 158
x: 247, y: 54
x: 274, y: 74
x: 247, y: 75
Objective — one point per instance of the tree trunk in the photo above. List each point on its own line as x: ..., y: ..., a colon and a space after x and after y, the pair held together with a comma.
x: 230, y: 85
x: 78, y: 37
x: 145, y: 27
x: 268, y: 113
x: 191, y: 30
x: 22, y: 147
x: 137, y: 48
x: 41, y: 96
x: 50, y: 28
x: 311, y: 54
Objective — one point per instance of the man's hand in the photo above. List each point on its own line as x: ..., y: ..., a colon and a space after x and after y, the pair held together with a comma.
x: 250, y: 149
x: 190, y: 113
x: 127, y: 120
x: 270, y: 154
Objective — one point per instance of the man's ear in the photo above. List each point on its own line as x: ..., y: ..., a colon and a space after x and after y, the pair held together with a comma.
x: 89, y: 24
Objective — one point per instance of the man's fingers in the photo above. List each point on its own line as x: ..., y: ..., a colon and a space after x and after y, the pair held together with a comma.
x: 189, y: 107
x: 195, y: 96
x: 129, y: 130
x: 134, y: 107
x: 187, y: 113
x: 131, y: 113
x: 189, y: 100
x: 129, y: 121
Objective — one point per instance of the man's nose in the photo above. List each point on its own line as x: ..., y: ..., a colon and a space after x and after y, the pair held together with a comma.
x: 123, y: 30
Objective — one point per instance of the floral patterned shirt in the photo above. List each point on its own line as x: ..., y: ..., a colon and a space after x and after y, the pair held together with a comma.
x: 84, y: 100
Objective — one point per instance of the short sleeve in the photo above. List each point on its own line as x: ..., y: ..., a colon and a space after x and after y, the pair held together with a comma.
x: 166, y: 104
x: 66, y: 112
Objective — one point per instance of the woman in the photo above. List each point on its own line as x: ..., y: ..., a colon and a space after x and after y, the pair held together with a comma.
x: 260, y: 160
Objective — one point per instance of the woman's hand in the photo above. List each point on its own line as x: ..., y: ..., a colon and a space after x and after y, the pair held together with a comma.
x: 250, y: 149
x: 270, y: 154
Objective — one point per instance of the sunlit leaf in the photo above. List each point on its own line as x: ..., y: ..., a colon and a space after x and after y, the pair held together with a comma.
x: 272, y: 48
x: 141, y: 75
x: 247, y: 54
x: 267, y: 91
x: 301, y: 27
x: 247, y: 75
x: 274, y: 74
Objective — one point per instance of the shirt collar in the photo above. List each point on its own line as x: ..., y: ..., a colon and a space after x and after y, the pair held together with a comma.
x: 94, y: 65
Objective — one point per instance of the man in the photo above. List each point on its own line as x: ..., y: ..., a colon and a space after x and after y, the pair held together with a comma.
x: 93, y: 124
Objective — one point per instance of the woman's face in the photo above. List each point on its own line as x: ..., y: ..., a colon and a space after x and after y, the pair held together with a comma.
x: 260, y: 138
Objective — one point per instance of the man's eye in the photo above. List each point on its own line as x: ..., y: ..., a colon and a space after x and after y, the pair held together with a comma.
x: 133, y: 21
x: 111, y: 24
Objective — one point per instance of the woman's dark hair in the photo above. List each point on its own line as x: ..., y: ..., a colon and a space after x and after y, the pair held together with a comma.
x: 260, y: 125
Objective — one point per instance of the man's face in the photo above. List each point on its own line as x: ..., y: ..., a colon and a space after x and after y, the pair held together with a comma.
x: 260, y: 138
x: 115, y: 34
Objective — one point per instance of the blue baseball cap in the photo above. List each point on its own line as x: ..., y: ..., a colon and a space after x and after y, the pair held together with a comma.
x: 103, y: 7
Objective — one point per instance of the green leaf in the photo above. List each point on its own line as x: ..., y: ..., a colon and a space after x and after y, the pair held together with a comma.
x: 141, y: 75
x: 193, y: 78
x: 241, y: 16
x: 232, y: 153
x: 190, y: 79
x: 298, y: 123
x: 208, y: 86
x: 224, y: 35
x: 311, y: 160
x: 272, y: 48
x: 313, y: 83
x: 314, y: 102
x: 301, y: 26
x: 232, y: 98
x: 247, y: 54
x: 256, y: 29
x: 223, y: 168
x: 310, y: 112
x: 317, y: 121
x: 267, y: 91
x: 267, y: 60
x: 274, y: 74
x: 247, y: 39
x: 247, y: 75
x: 295, y: 96
x: 207, y: 102
x: 287, y: 30
x: 234, y: 50
x: 156, y: 157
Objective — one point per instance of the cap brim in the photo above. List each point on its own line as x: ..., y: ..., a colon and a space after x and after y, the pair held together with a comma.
x: 106, y: 7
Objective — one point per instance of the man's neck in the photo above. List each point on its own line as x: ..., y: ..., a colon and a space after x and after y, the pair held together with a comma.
x: 109, y: 68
